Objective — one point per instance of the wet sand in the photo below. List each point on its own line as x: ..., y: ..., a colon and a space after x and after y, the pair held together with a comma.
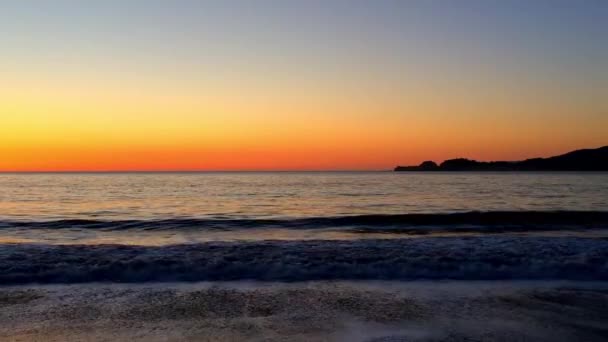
x: 312, y: 311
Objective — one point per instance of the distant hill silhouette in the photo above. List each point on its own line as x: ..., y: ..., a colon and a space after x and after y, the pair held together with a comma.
x: 579, y: 160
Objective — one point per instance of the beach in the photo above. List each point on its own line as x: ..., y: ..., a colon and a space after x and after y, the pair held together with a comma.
x: 303, y: 171
x: 367, y: 257
x: 306, y: 311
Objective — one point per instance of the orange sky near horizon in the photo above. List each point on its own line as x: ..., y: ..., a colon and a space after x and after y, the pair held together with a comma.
x: 190, y: 86
x: 92, y: 125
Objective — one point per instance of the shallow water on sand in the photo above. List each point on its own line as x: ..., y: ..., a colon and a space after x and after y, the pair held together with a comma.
x: 315, y: 311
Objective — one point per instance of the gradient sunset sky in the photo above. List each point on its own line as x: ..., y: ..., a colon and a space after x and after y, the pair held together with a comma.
x: 286, y: 85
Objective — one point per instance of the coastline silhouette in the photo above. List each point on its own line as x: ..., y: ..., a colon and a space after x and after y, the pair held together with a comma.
x: 579, y: 160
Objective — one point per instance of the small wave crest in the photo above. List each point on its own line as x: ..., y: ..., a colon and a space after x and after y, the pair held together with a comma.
x: 515, y: 220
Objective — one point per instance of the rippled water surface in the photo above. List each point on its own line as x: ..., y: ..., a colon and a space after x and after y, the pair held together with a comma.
x: 302, y: 226
x: 290, y: 195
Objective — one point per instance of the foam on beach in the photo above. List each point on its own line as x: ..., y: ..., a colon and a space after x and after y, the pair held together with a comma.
x: 310, y: 311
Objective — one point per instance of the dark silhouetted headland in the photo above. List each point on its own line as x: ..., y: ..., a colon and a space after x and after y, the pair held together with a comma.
x: 579, y: 160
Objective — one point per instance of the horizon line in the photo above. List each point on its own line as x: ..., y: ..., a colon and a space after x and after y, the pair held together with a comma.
x: 186, y: 171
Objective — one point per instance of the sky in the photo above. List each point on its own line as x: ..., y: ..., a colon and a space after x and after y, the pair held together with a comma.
x: 297, y: 85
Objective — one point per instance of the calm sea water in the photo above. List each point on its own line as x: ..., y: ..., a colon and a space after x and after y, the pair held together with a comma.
x: 302, y: 226
x: 156, y: 196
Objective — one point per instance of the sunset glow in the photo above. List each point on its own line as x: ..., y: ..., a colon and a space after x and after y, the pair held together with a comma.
x: 296, y: 85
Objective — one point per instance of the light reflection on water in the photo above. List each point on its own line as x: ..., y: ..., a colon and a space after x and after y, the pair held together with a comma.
x: 284, y: 195
x: 254, y: 235
x: 159, y: 196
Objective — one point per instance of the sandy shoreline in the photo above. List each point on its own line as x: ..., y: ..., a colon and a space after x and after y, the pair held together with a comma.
x: 309, y: 311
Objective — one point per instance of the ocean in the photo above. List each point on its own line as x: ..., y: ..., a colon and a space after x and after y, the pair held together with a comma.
x: 304, y: 256
x: 294, y: 226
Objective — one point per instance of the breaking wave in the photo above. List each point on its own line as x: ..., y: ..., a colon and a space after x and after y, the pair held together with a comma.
x: 464, y: 258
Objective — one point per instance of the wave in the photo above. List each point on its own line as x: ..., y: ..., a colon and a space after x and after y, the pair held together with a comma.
x: 497, y: 220
x: 463, y: 258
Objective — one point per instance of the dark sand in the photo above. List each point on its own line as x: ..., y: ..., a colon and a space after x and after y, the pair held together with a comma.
x: 315, y: 311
